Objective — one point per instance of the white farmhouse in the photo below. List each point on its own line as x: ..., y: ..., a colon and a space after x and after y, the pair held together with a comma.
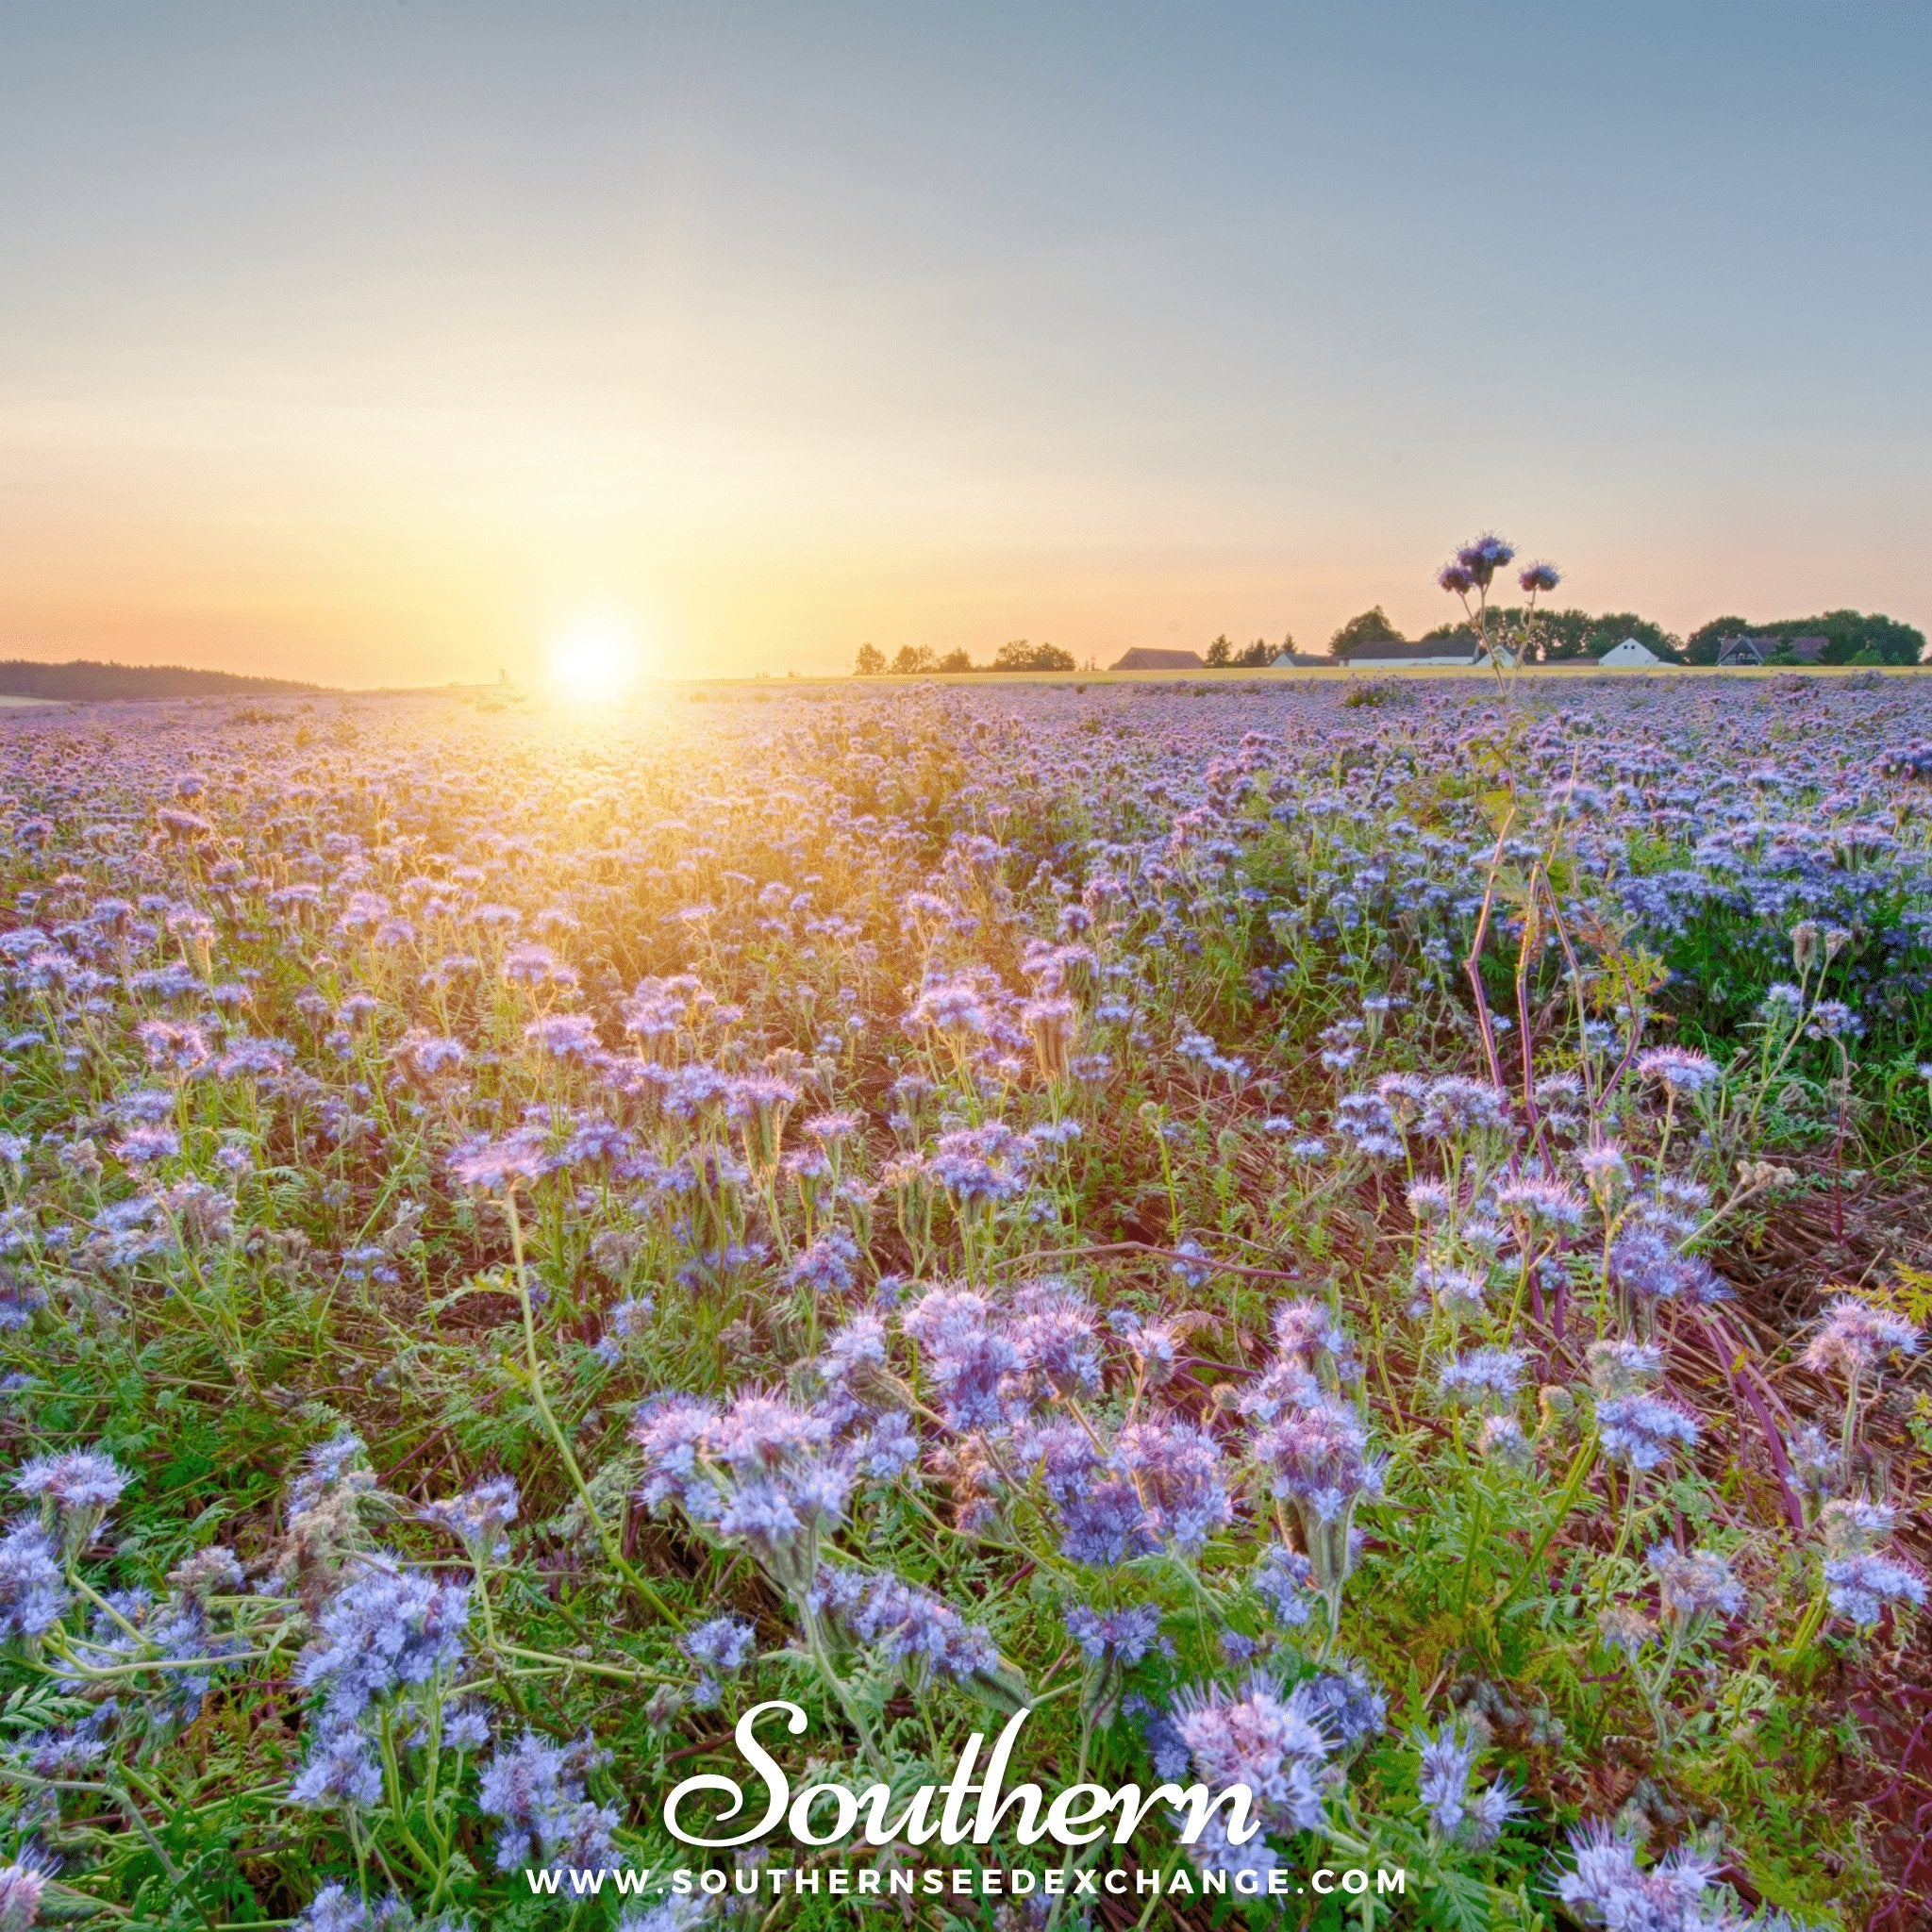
x: 1629, y: 651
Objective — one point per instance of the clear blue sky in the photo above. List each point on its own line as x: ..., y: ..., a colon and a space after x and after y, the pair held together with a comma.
x: 380, y: 341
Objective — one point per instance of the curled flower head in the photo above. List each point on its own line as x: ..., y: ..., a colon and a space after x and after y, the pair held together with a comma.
x: 1318, y: 1457
x: 1608, y: 1888
x: 1856, y: 1337
x: 1445, y: 1762
x: 1486, y: 555
x: 723, y: 1643
x: 386, y: 1629
x: 479, y: 1517
x: 1680, y: 1070
x: 1482, y: 1377
x: 1695, y: 1583
x: 1261, y: 1737
x: 1625, y: 1629
x: 1642, y: 1430
x: 1617, y: 1367
x: 1860, y: 1581
x: 1282, y: 1580
x: 1860, y: 1586
x: 78, y: 1487
x: 22, y: 1883
x: 535, y: 1789
x: 33, y: 1583
x: 1122, y: 1637
x: 1540, y: 576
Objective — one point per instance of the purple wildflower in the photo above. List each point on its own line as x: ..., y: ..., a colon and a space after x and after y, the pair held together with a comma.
x: 1695, y: 1583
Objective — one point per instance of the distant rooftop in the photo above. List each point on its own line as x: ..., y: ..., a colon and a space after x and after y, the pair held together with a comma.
x: 1147, y: 658
x: 1393, y: 651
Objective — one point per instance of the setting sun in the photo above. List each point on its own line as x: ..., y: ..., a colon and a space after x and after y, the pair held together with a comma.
x: 595, y: 662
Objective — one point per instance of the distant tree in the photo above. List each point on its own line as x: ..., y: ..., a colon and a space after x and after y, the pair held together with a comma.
x: 955, y: 660
x: 1256, y: 655
x: 872, y: 661
x: 1371, y: 627
x: 912, y: 659
x: 1020, y: 656
x: 1609, y: 630
x: 1221, y: 653
x: 1287, y: 643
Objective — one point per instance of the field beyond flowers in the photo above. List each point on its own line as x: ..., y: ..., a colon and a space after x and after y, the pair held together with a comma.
x: 1366, y: 1242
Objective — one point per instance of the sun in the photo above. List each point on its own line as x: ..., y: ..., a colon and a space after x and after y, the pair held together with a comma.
x: 594, y: 661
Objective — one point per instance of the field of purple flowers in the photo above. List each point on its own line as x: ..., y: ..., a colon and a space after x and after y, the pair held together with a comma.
x: 1367, y: 1241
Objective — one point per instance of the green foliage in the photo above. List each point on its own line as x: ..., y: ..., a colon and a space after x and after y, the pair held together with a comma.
x: 1371, y: 627
x: 1019, y: 655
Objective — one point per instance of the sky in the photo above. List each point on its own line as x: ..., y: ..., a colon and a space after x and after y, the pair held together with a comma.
x: 387, y: 341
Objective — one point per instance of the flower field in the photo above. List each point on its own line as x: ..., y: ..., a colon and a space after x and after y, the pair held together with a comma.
x: 1364, y: 1241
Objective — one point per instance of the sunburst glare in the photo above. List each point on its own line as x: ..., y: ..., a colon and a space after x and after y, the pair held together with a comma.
x: 595, y: 660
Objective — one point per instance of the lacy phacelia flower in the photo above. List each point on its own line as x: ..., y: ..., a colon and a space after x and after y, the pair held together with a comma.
x: 22, y: 1885
x: 1103, y: 1520
x: 1281, y: 1579
x: 336, y: 1910
x: 1482, y: 1377
x: 1693, y: 1584
x: 1856, y: 1337
x: 1608, y: 1888
x: 1860, y: 1581
x: 1445, y: 1762
x: 1679, y: 1069
x: 479, y: 1517
x: 1174, y: 1467
x: 1263, y: 1737
x: 911, y: 1624
x: 761, y: 1473
x: 78, y: 1487
x: 1122, y: 1637
x: 387, y: 1628
x: 1344, y: 1700
x: 1318, y: 1458
x: 535, y: 1788
x: 33, y: 1585
x: 967, y: 1357
x: 1642, y: 1430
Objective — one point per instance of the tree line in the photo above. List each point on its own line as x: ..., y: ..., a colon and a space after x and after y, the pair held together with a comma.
x: 87, y: 678
x: 916, y: 660
x: 1544, y: 637
x: 1560, y: 637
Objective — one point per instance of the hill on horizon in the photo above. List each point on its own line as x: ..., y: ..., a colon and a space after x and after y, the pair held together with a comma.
x: 91, y: 677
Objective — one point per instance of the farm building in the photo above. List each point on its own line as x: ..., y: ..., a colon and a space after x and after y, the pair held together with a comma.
x: 1146, y: 657
x: 1434, y: 650
x: 1744, y: 653
x: 1629, y: 651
